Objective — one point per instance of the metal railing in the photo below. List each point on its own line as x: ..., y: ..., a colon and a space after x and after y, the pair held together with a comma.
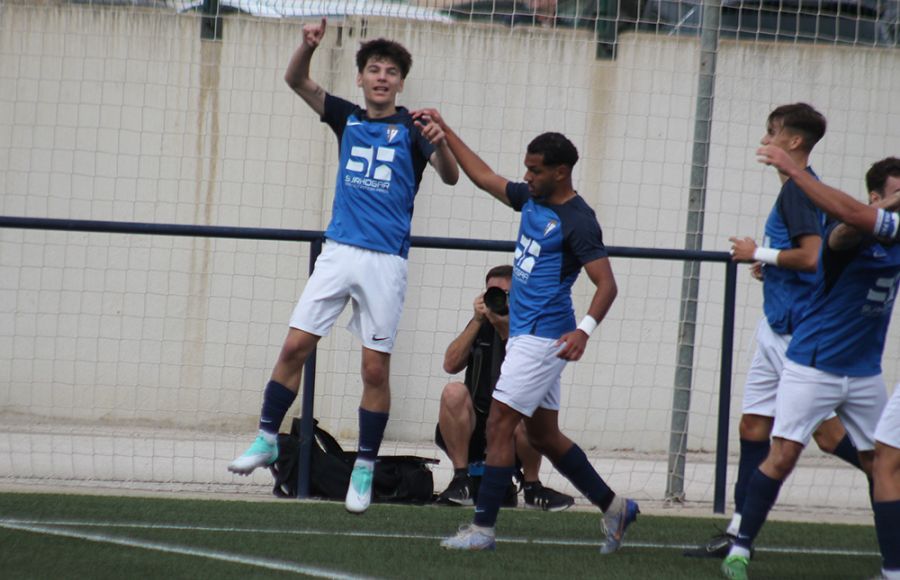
x: 315, y: 238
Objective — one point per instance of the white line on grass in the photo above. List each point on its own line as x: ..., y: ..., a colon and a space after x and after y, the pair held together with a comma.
x: 387, y: 535
x: 175, y: 549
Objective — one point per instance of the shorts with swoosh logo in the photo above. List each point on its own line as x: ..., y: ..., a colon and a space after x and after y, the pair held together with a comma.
x: 374, y: 283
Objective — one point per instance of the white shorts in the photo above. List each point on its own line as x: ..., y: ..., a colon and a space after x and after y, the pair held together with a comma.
x: 374, y: 281
x: 530, y: 375
x: 765, y: 371
x: 888, y: 430
x: 806, y: 396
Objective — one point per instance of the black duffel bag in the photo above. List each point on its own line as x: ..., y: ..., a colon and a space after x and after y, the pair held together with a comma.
x: 398, y: 478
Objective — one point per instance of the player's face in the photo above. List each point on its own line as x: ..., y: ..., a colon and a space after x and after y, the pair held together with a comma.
x: 380, y: 81
x: 541, y: 179
x: 777, y: 135
x: 891, y: 187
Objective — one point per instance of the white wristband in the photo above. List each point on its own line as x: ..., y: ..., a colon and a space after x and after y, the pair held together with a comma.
x: 766, y: 255
x: 886, y: 224
x: 587, y: 324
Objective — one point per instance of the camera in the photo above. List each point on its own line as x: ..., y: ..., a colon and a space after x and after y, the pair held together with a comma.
x: 497, y: 300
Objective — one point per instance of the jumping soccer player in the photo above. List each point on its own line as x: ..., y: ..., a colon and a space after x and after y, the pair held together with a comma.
x: 382, y: 158
x: 558, y: 236
x: 862, y: 280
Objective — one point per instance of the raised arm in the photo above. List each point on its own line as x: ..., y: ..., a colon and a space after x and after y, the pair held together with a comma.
x: 297, y: 73
x: 601, y: 274
x: 477, y: 170
x: 442, y: 159
x: 832, y: 201
x: 844, y: 237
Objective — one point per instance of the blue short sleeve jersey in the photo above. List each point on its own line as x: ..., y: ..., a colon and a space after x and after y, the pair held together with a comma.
x: 786, y: 293
x: 379, y: 171
x: 843, y: 330
x: 554, y: 242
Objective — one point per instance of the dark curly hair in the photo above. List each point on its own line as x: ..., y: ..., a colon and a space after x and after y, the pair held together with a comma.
x: 878, y: 174
x: 384, y: 49
x: 556, y: 149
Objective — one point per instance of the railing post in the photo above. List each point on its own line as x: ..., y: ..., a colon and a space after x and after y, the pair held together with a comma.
x: 211, y: 23
x: 725, y: 387
x: 307, y: 424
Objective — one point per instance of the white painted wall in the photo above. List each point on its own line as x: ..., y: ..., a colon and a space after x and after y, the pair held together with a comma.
x: 113, y: 114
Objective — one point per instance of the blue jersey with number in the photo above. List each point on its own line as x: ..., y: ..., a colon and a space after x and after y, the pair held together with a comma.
x: 554, y: 242
x: 843, y: 330
x: 786, y: 293
x: 379, y: 171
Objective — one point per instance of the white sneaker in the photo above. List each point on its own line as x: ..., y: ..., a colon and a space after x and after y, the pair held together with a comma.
x: 471, y: 538
x: 622, y: 513
x: 260, y: 454
x: 359, y: 492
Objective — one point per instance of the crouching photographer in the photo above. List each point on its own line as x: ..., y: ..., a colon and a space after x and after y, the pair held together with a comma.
x: 464, y: 406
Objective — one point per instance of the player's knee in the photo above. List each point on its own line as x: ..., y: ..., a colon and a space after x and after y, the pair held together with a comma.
x: 755, y: 427
x: 825, y: 440
x: 829, y: 434
x: 551, y: 444
x: 375, y: 375
x: 296, y: 349
x: 501, y: 424
x: 783, y: 458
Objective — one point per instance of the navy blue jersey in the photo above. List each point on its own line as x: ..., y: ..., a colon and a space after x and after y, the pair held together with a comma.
x: 786, y: 293
x: 843, y: 330
x: 379, y: 171
x: 554, y: 242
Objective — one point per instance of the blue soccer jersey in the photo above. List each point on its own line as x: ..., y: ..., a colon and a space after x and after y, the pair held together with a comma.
x: 786, y: 293
x: 379, y: 171
x: 554, y: 242
x: 843, y: 330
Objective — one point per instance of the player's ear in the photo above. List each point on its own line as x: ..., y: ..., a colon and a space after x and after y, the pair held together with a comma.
x: 359, y: 79
x: 796, y: 141
x: 400, y: 86
x: 875, y: 197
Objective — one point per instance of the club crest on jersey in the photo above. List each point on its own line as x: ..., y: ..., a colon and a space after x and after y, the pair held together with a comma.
x: 551, y: 225
x: 392, y: 131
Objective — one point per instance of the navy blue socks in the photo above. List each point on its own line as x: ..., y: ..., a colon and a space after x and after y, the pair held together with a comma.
x: 493, y: 488
x: 762, y: 491
x: 574, y: 465
x: 371, y: 432
x: 887, y: 526
x: 847, y: 451
x: 751, y: 457
x: 277, y: 399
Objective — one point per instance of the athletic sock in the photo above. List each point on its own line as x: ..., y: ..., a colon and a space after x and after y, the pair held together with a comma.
x: 762, y: 491
x: 887, y: 526
x: 371, y: 432
x: 734, y: 526
x: 752, y: 455
x: 277, y: 399
x: 493, y: 488
x: 847, y: 451
x: 574, y: 465
x: 459, y: 472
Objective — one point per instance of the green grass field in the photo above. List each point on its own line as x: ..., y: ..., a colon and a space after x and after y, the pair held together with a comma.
x: 70, y: 536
